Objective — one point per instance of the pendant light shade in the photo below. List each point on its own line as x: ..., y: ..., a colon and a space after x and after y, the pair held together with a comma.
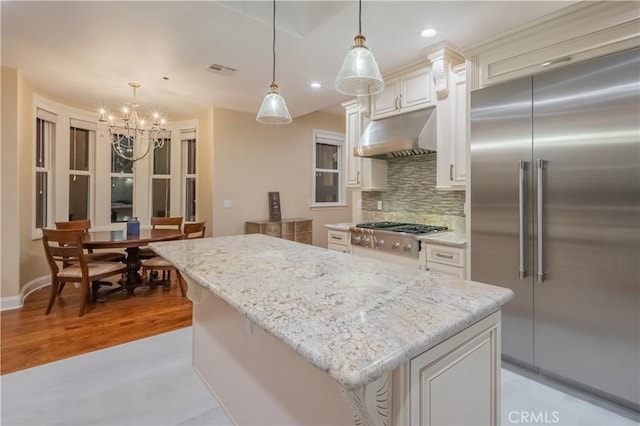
x: 359, y: 74
x: 274, y: 109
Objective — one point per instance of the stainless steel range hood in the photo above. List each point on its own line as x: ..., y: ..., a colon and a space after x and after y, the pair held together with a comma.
x: 413, y: 133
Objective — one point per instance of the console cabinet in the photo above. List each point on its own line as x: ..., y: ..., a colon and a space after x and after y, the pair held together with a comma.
x: 299, y: 230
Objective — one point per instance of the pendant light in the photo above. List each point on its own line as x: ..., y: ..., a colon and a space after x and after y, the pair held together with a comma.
x: 359, y: 74
x: 274, y: 108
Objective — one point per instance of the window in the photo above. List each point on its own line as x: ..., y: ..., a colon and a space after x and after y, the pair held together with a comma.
x: 44, y: 143
x: 161, y: 180
x: 121, y: 184
x: 328, y: 188
x: 81, y: 141
x: 189, y: 168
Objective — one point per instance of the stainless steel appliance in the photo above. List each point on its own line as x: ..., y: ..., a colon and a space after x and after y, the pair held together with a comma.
x: 412, y: 133
x: 392, y: 241
x: 555, y: 216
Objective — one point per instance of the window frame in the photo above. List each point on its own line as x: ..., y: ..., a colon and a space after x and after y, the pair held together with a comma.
x: 338, y: 140
x: 74, y: 124
x: 44, y: 113
x: 131, y: 175
x: 161, y: 176
x: 185, y: 139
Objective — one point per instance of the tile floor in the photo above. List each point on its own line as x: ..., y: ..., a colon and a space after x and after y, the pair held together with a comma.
x: 151, y: 382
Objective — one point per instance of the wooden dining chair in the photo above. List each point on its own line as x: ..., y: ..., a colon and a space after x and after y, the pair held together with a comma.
x: 65, y: 247
x: 85, y: 225
x: 161, y: 222
x: 91, y: 256
x: 158, y: 263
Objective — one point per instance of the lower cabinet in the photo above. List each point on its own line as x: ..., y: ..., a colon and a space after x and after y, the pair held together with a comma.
x: 299, y: 230
x: 446, y: 259
x: 338, y: 240
x: 457, y: 381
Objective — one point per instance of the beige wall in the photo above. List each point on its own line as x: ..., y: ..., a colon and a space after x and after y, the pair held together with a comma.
x: 238, y: 160
x: 9, y: 191
x: 252, y: 159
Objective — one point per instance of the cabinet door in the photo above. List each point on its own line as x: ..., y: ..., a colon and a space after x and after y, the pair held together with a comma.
x: 386, y: 102
x: 458, y: 93
x: 353, y: 131
x: 457, y: 382
x: 415, y: 90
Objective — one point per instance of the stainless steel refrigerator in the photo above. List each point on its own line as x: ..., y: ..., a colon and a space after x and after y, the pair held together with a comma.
x: 555, y: 216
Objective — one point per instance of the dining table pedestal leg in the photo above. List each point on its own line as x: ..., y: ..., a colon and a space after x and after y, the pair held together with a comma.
x: 133, y: 278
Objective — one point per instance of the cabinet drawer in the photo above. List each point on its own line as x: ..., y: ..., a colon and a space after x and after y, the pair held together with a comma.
x: 446, y: 269
x: 447, y: 255
x: 304, y: 226
x: 337, y: 247
x: 304, y: 238
x: 273, y: 229
x: 288, y: 228
x: 338, y: 237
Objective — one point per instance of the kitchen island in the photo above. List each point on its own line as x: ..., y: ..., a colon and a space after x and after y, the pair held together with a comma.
x: 286, y: 333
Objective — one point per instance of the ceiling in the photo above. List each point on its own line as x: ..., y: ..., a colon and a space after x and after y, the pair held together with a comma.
x: 87, y: 51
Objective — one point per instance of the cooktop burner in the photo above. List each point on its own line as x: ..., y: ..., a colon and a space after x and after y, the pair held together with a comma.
x: 409, y: 228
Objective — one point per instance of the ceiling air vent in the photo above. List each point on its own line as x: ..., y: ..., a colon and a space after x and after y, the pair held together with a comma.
x: 222, y: 70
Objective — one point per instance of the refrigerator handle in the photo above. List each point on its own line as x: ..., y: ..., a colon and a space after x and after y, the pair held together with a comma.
x: 522, y: 166
x: 540, y: 164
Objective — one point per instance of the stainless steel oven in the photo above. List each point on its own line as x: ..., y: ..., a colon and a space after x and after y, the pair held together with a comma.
x: 391, y: 241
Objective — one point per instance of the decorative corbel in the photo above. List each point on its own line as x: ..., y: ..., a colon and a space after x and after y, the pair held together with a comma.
x: 443, y: 56
x: 364, y: 103
x: 371, y: 404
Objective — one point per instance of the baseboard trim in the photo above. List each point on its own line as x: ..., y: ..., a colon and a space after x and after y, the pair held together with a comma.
x: 16, y: 302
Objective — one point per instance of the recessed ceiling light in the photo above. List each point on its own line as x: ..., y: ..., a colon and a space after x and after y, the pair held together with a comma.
x: 429, y: 32
x: 315, y: 85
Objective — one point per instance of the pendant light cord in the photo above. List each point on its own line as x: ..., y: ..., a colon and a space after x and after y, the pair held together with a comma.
x: 359, y: 17
x: 273, y: 80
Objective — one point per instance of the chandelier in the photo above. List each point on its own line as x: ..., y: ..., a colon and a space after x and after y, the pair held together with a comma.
x: 130, y: 132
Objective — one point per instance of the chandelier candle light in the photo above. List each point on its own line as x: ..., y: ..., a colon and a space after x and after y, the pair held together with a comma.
x: 274, y: 108
x: 130, y: 130
x: 359, y: 74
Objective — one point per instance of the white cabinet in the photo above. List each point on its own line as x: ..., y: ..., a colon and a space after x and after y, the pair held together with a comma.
x: 403, y: 92
x: 578, y: 32
x: 448, y: 69
x: 446, y: 259
x: 366, y: 174
x: 338, y: 240
x: 457, y: 382
x: 459, y: 124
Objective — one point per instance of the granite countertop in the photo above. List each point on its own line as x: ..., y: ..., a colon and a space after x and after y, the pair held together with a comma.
x: 352, y: 317
x: 339, y: 226
x: 446, y: 238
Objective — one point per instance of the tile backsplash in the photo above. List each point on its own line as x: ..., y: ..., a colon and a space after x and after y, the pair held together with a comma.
x: 411, y: 196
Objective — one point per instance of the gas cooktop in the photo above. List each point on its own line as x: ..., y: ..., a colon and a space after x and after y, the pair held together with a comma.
x: 409, y: 228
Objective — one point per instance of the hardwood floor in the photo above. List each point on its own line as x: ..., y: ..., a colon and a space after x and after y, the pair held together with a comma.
x: 30, y: 338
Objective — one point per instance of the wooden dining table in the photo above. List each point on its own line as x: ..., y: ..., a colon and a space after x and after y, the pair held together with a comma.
x: 131, y: 244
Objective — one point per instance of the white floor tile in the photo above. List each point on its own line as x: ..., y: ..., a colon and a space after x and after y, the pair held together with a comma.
x: 151, y: 382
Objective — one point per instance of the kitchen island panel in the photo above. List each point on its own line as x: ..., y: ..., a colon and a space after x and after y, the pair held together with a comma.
x: 256, y: 378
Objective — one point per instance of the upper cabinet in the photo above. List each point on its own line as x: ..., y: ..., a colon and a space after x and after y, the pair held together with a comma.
x: 404, y: 91
x: 578, y: 32
x: 366, y: 174
x: 450, y: 91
